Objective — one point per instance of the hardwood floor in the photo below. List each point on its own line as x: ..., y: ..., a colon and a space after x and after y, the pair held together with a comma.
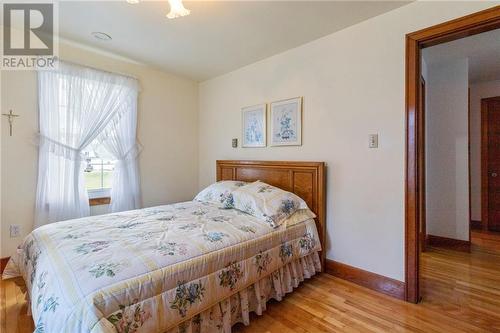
x: 13, y: 308
x: 461, y: 293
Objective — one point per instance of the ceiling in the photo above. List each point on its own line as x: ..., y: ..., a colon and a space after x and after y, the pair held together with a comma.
x: 218, y: 36
x: 482, y: 50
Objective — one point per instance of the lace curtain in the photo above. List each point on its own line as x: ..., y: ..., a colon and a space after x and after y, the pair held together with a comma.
x: 77, y: 106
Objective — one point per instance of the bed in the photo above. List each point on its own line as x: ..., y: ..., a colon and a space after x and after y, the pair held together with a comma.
x: 186, y: 267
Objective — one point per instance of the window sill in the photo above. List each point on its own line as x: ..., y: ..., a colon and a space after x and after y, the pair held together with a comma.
x: 99, y: 201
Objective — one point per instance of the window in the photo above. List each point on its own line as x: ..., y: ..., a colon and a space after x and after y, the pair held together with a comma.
x: 76, y: 105
x: 98, y: 171
x: 98, y: 167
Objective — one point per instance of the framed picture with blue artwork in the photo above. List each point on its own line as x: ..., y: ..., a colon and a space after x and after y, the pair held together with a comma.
x: 286, y: 122
x: 254, y: 126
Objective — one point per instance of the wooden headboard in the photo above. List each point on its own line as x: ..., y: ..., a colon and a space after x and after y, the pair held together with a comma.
x: 306, y: 179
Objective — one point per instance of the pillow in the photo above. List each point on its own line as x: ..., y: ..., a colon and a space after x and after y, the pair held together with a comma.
x: 220, y: 192
x: 267, y: 202
x: 299, y: 216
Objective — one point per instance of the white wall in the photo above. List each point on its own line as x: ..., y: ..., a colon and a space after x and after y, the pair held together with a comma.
x: 167, y: 128
x: 447, y: 159
x: 353, y: 85
x: 478, y: 91
x: 425, y: 72
x: 99, y: 210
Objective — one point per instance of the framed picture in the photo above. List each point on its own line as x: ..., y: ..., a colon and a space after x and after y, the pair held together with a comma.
x: 254, y: 126
x: 286, y: 122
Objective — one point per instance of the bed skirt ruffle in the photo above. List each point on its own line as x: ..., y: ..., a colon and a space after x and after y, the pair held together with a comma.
x: 236, y: 308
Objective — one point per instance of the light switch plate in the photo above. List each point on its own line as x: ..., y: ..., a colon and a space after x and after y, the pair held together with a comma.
x: 15, y: 230
x: 373, y: 141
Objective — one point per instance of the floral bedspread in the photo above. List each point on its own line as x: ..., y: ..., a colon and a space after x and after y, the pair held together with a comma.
x: 148, y: 270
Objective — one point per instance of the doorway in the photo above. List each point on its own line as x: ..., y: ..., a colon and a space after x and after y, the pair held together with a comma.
x: 415, y: 140
x: 490, y: 163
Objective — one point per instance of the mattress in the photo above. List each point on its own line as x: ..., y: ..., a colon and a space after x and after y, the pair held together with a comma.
x: 149, y: 270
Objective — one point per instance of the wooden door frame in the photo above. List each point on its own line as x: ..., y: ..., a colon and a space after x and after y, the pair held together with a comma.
x: 421, y: 159
x: 484, y: 160
x: 469, y: 163
x: 469, y: 25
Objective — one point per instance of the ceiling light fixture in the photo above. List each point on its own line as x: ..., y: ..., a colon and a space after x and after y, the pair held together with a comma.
x: 177, y: 9
x: 101, y: 35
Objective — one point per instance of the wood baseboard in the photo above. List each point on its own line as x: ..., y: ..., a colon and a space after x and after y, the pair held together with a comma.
x: 366, y: 279
x: 449, y: 243
x: 476, y: 224
x: 3, y: 263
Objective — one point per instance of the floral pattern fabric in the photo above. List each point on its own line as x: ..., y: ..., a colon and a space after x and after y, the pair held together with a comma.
x: 236, y: 308
x: 129, y: 319
x: 267, y: 202
x: 220, y: 192
x: 230, y: 276
x: 150, y: 270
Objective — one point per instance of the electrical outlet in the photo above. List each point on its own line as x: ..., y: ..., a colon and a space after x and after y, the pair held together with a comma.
x: 15, y: 230
x: 234, y: 143
x: 373, y: 141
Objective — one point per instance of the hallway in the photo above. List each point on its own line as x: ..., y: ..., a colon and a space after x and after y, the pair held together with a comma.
x: 465, y: 286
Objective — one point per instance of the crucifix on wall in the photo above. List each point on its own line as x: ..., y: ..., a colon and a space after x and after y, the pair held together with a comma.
x: 10, y: 117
